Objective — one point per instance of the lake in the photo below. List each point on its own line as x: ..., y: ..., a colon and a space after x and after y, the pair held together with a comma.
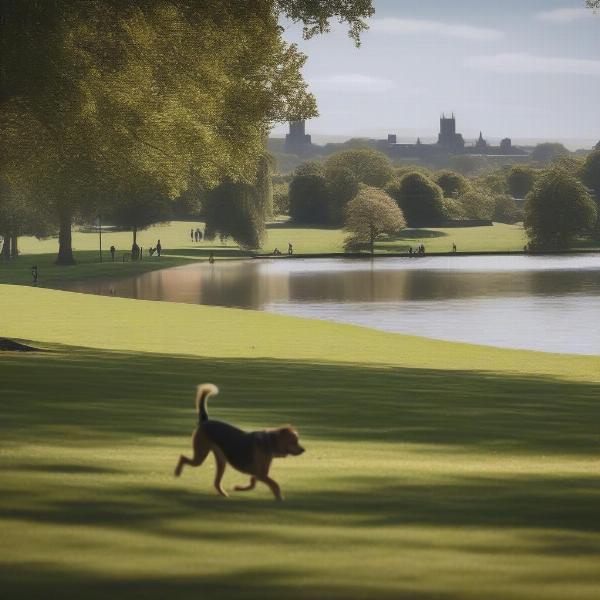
x: 549, y: 303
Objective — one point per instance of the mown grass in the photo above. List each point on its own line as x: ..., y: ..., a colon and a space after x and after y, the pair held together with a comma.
x: 433, y: 470
x: 175, y: 239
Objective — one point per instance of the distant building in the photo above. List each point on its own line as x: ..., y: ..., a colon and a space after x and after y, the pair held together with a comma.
x: 506, y: 146
x: 297, y: 141
x: 481, y: 145
x: 597, y: 147
x: 448, y: 138
x: 449, y: 142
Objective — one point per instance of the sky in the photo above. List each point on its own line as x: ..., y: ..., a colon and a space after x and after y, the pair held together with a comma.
x: 524, y: 69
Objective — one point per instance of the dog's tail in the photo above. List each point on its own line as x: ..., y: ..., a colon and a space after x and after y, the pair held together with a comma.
x: 204, y: 390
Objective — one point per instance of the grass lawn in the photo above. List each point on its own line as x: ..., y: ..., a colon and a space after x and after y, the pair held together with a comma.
x: 433, y: 470
x: 175, y: 239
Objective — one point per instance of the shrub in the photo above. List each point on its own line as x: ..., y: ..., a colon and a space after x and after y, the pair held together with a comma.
x: 420, y: 199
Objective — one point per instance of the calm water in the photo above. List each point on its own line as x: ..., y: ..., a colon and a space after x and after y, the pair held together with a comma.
x: 540, y: 303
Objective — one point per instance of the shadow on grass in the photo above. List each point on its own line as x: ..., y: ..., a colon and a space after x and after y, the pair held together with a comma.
x: 85, y: 398
x: 42, y: 582
x: 115, y: 395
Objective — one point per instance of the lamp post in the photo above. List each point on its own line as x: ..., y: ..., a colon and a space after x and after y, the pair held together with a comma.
x: 100, y: 234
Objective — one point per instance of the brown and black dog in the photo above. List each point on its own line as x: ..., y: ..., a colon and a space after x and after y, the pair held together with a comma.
x: 248, y: 452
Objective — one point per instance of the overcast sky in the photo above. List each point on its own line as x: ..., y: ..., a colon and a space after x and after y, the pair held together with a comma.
x: 526, y: 69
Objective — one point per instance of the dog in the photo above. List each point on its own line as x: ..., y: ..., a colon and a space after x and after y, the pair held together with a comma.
x: 248, y: 452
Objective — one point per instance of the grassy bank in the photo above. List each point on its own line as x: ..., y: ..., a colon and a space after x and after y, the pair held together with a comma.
x: 433, y: 470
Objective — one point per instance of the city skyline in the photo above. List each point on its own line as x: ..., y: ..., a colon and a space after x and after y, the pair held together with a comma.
x: 531, y: 73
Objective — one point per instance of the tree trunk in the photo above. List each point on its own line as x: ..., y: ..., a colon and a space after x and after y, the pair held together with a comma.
x: 6, y: 246
x: 65, y: 248
x: 135, y: 249
x: 14, y: 246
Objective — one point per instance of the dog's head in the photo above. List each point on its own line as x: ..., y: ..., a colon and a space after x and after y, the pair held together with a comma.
x: 287, y: 442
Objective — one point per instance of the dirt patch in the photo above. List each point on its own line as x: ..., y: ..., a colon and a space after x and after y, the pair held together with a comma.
x: 12, y: 346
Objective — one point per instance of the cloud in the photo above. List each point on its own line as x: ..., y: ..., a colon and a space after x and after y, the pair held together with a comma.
x: 434, y: 29
x: 522, y: 63
x: 564, y: 15
x: 354, y: 82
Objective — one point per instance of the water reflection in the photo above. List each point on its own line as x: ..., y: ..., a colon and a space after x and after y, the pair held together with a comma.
x: 545, y: 303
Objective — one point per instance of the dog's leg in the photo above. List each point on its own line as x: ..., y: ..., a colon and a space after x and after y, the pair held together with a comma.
x: 201, y: 449
x: 221, y: 464
x: 274, y: 487
x: 246, y: 488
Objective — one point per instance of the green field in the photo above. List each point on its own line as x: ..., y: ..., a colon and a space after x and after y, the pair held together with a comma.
x: 175, y: 239
x: 433, y: 470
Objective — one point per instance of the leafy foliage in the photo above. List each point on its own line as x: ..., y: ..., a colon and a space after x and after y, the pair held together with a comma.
x: 308, y: 194
x: 420, y: 199
x: 506, y: 210
x: 478, y: 204
x: 369, y: 166
x: 240, y: 210
x: 548, y: 151
x: 94, y: 93
x: 342, y: 186
x: 452, y: 184
x: 520, y: 180
x: 557, y: 209
x: 370, y: 214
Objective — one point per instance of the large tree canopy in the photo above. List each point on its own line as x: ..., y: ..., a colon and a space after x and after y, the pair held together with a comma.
x: 557, y: 209
x: 95, y: 92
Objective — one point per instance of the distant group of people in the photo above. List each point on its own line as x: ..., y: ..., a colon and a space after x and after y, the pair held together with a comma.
x: 156, y: 250
x: 277, y: 251
x: 420, y: 249
x: 196, y: 234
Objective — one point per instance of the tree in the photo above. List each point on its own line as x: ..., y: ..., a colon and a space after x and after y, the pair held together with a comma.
x: 590, y: 175
x: 370, y: 214
x: 19, y: 216
x: 96, y: 92
x: 452, y: 184
x: 520, y: 180
x: 557, y: 209
x: 420, y: 199
x: 467, y: 164
x: 281, y: 200
x: 369, y: 166
x: 309, y: 195
x: 548, y: 151
x: 141, y: 206
x: 506, y: 210
x: 453, y: 209
x: 240, y: 210
x: 590, y: 172
x: 342, y: 186
x: 478, y: 204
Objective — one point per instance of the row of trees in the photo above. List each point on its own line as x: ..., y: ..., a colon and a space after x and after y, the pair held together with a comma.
x: 318, y: 192
x: 102, y: 102
x: 558, y: 205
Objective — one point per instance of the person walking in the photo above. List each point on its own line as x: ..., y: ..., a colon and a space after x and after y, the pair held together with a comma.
x: 112, y: 252
x: 290, y: 249
x: 158, y: 248
x: 192, y: 234
x: 211, y: 258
